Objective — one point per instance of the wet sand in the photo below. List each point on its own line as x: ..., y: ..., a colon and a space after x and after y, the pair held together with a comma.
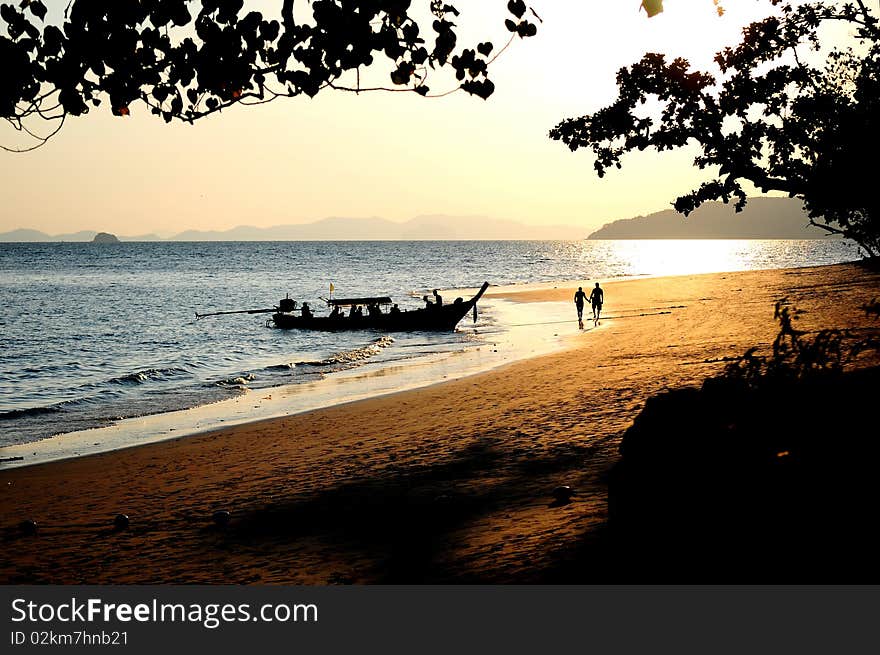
x: 449, y: 483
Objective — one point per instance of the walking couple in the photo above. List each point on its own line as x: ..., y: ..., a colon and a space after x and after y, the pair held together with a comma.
x: 596, y: 298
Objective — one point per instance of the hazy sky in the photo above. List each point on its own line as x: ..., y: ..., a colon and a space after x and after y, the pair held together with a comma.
x: 380, y: 154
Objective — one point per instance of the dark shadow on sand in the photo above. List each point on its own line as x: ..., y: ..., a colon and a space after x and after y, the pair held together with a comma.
x: 404, y: 519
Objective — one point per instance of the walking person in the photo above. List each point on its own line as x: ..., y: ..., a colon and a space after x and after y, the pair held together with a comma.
x: 597, y: 297
x: 579, y: 298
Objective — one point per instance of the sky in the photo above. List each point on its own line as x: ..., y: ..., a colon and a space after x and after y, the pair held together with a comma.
x: 391, y: 155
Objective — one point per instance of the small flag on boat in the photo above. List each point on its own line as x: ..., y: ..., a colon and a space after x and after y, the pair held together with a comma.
x: 332, y: 288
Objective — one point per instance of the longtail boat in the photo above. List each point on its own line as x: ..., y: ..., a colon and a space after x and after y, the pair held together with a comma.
x: 433, y: 318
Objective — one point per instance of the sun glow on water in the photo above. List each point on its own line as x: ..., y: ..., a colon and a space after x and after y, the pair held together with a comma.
x: 682, y: 257
x: 623, y: 258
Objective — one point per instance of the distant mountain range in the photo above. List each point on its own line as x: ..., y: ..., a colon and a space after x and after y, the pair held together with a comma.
x: 432, y: 227
x: 35, y: 236
x: 762, y: 218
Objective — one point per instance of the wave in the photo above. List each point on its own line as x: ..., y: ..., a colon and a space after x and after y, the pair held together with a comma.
x: 31, y: 411
x: 310, y: 368
x: 238, y: 381
x: 98, y: 392
x: 113, y: 390
x: 139, y: 377
x: 281, y: 367
x: 352, y: 356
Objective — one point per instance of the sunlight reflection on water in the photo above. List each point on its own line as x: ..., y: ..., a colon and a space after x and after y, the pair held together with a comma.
x: 621, y: 258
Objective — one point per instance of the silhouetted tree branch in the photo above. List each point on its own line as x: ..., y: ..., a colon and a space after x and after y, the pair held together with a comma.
x: 187, y: 59
x: 765, y: 116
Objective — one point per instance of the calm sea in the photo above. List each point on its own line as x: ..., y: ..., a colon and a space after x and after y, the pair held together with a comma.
x: 92, y: 333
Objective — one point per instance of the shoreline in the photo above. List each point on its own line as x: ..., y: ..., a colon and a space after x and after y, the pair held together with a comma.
x: 99, y: 428
x: 338, y: 389
x: 149, y: 429
x: 446, y: 483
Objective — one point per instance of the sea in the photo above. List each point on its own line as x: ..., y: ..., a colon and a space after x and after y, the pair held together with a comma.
x: 92, y: 334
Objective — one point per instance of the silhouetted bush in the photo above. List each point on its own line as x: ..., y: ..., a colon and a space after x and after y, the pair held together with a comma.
x: 796, y: 358
x: 767, y: 473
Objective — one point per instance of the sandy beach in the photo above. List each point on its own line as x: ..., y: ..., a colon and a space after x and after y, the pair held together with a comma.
x: 449, y: 483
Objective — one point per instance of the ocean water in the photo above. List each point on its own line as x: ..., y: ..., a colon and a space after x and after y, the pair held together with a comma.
x: 94, y: 333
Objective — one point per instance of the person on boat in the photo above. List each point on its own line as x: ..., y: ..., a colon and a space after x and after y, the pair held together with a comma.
x: 306, y: 310
x: 395, y: 310
x: 335, y: 313
x: 358, y: 312
x: 373, y: 310
x: 428, y: 303
x: 352, y: 311
x: 579, y: 298
x: 438, y: 299
x: 597, y: 298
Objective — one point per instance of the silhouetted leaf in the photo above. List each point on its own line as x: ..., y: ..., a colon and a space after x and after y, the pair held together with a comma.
x: 52, y: 41
x: 270, y: 30
x: 420, y: 56
x: 481, y: 88
x: 526, y: 29
x: 37, y: 8
x: 72, y: 102
x: 517, y: 8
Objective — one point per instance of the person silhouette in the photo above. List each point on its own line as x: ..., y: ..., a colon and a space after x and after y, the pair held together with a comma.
x: 579, y: 298
x: 597, y: 297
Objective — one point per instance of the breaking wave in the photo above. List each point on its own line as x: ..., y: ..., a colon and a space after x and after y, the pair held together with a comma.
x: 352, y: 356
x: 146, y: 375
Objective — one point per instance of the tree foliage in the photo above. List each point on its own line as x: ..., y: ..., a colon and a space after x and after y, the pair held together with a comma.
x: 186, y: 59
x: 767, y: 116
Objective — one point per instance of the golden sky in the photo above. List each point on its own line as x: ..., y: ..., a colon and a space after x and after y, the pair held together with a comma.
x: 380, y: 154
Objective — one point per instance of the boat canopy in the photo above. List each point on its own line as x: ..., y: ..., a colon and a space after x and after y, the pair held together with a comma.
x: 379, y: 300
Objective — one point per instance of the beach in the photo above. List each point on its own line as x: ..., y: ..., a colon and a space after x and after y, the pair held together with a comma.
x: 447, y: 483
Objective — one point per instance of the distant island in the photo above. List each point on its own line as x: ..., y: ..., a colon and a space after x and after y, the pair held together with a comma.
x: 105, y: 237
x: 432, y: 227
x: 762, y: 218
